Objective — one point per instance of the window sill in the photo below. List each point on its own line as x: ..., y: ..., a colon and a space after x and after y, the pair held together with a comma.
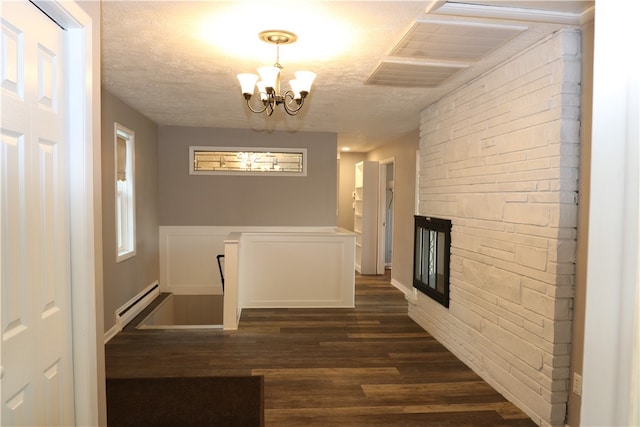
x: 125, y: 255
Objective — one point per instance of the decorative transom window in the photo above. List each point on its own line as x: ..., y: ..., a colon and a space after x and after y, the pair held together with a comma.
x: 248, y: 161
x: 125, y: 193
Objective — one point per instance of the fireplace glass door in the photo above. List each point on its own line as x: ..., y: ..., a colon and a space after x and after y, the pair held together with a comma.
x: 431, y: 257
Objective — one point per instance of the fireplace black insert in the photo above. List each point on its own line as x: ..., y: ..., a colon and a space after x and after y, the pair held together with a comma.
x: 431, y: 252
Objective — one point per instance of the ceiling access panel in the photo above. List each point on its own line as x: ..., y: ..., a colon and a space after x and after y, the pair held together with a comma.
x: 454, y: 40
x: 411, y: 75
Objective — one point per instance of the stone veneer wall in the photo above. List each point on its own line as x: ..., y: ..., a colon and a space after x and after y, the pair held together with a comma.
x: 499, y: 157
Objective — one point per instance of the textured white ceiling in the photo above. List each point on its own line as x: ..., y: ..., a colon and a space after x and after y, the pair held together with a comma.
x: 176, y: 62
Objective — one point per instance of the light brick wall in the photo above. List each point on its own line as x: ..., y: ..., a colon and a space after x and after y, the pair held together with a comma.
x: 499, y: 157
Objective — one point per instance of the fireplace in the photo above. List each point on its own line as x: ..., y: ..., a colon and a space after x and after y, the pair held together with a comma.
x: 432, y: 248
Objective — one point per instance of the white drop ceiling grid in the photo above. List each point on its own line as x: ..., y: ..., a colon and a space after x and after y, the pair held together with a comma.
x: 456, y: 43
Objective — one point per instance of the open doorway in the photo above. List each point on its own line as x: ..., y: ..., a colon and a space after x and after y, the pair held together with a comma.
x: 385, y: 215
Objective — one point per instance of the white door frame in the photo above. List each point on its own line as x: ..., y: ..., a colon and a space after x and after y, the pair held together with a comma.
x: 382, y: 214
x: 611, y: 390
x: 84, y: 173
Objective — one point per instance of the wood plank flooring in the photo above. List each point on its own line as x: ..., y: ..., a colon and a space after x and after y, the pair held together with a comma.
x: 368, y: 366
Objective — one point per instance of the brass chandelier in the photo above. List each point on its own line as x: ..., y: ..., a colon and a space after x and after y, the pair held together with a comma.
x: 269, y: 92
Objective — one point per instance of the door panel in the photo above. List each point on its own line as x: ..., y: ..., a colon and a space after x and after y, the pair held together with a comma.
x: 37, y: 385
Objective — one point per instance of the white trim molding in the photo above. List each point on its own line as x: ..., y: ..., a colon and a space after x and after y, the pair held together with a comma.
x: 508, y: 13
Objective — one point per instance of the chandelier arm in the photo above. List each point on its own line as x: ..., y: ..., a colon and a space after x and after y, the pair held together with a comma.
x: 268, y: 105
x: 291, y: 105
x: 259, y: 110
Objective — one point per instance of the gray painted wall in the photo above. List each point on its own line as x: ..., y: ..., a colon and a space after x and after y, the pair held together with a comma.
x: 403, y: 151
x: 246, y: 200
x: 347, y: 184
x: 123, y: 280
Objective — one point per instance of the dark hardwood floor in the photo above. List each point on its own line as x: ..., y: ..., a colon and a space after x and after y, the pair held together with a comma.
x: 368, y: 366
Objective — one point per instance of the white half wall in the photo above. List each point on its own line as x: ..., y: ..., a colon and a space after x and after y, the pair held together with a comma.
x: 297, y: 270
x: 277, y: 266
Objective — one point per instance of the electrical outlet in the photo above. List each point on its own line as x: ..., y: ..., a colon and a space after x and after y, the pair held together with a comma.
x: 577, y: 384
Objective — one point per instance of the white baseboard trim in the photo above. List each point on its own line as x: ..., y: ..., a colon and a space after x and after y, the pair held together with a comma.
x: 129, y: 310
x: 409, y: 292
x: 135, y: 305
x: 111, y: 333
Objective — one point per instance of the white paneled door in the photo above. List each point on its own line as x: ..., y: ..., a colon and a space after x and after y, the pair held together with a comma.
x: 37, y: 369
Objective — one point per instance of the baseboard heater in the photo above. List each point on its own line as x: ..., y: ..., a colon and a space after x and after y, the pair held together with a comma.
x: 135, y: 305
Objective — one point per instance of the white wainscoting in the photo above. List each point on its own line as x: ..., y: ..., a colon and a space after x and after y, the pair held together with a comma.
x: 188, y: 263
x: 297, y: 269
x: 277, y: 266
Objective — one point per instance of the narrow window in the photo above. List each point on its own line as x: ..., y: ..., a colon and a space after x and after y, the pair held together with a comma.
x: 125, y: 197
x: 248, y: 161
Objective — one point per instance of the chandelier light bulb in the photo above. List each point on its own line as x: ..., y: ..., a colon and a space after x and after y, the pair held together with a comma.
x: 305, y: 79
x: 270, y: 76
x: 247, y: 83
x: 295, y: 88
x: 263, y: 91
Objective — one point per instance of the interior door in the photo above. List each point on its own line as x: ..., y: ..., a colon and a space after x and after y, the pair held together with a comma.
x: 37, y: 369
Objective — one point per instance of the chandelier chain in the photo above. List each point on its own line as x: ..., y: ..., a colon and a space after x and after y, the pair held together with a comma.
x: 277, y: 64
